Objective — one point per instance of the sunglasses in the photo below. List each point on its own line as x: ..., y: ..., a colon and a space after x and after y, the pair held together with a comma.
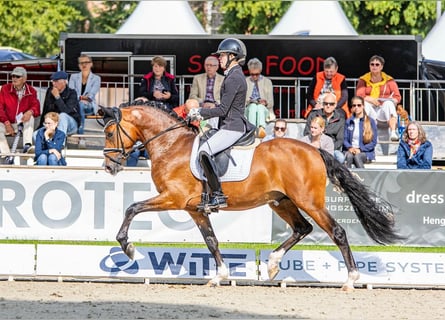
x: 356, y: 105
x: 282, y: 129
x: 375, y: 64
x: 84, y: 63
x: 329, y: 104
x: 16, y: 76
x: 255, y: 74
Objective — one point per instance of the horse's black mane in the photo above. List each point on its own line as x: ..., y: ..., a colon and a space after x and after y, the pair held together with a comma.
x: 159, y: 106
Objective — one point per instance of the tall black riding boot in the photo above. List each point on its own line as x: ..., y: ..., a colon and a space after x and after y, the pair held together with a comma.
x: 217, y: 198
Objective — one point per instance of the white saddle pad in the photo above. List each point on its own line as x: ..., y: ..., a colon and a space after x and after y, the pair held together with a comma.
x: 235, y: 172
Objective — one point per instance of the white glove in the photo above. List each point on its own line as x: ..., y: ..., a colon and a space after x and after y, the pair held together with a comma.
x: 194, y: 115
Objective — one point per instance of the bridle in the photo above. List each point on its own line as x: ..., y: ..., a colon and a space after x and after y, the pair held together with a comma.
x: 120, y: 149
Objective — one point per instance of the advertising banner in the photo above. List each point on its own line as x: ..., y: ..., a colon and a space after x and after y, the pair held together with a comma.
x: 105, y: 261
x: 418, y: 199
x: 17, y: 259
x: 374, y: 267
x: 82, y: 204
x: 85, y: 204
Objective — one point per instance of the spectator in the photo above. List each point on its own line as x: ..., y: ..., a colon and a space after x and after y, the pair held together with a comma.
x: 50, y: 142
x: 259, y: 97
x: 18, y: 104
x: 360, y: 135
x: 328, y: 80
x: 279, y: 130
x: 87, y: 85
x: 335, y: 123
x: 415, y: 151
x: 206, y: 87
x: 63, y: 100
x: 159, y: 85
x: 317, y: 138
x: 381, y: 95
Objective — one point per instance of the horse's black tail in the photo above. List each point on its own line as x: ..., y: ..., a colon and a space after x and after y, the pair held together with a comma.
x: 375, y: 214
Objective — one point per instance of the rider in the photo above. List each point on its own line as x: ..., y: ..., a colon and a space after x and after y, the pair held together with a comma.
x: 232, y: 122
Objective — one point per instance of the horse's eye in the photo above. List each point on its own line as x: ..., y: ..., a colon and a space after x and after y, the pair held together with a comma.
x: 109, y: 135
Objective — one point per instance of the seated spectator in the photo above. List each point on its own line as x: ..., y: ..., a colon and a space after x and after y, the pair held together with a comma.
x: 360, y: 135
x: 415, y: 151
x: 159, y: 85
x: 259, y: 97
x: 18, y: 105
x: 63, y: 100
x: 87, y: 85
x: 328, y: 80
x: 317, y: 138
x: 335, y: 123
x: 49, y: 142
x: 279, y: 130
x: 206, y: 88
x: 381, y: 95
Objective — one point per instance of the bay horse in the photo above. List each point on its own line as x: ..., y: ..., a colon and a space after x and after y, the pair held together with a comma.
x: 287, y: 174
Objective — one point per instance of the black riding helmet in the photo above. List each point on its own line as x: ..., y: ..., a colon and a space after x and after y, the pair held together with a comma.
x: 234, y: 46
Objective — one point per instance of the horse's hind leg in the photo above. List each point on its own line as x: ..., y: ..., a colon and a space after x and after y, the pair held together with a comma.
x: 338, y: 235
x: 206, y: 229
x: 300, y: 228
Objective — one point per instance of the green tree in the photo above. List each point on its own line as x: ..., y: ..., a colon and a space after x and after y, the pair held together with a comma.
x: 391, y: 17
x: 251, y: 17
x: 34, y: 26
x: 111, y: 15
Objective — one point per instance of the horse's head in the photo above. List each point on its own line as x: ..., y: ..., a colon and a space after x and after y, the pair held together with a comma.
x: 120, y: 138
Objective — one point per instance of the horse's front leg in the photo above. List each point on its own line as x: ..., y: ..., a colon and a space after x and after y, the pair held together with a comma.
x: 156, y: 203
x: 206, y: 229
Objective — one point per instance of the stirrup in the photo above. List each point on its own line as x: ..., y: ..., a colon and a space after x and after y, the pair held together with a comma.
x: 203, y: 205
x: 217, y: 201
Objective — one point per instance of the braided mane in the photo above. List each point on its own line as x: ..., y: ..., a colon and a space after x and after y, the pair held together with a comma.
x: 159, y: 106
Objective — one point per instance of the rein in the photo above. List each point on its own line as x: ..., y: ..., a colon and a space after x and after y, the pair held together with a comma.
x: 123, y: 155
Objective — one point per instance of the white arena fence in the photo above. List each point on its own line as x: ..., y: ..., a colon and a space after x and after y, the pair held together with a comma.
x: 182, y: 265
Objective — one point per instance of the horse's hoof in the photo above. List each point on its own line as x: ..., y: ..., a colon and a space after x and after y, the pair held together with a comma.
x: 273, y: 271
x: 347, y: 288
x: 273, y: 263
x: 130, y: 251
x: 213, y: 284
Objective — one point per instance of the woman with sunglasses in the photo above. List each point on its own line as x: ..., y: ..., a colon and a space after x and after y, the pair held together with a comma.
x: 360, y: 135
x: 279, y: 130
x: 381, y: 95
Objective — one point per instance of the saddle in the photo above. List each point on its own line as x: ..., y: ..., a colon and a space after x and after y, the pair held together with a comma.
x: 223, y: 157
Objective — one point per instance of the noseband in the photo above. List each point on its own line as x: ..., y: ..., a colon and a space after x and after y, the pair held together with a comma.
x: 120, y: 149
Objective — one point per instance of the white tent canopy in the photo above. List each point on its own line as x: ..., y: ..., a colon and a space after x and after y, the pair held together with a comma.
x: 314, y: 18
x: 433, y: 46
x: 162, y: 17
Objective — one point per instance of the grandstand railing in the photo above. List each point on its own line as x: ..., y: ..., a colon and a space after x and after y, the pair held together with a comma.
x: 424, y: 99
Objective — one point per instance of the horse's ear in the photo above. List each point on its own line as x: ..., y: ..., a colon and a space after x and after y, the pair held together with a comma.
x: 110, y: 114
x: 117, y: 114
x: 100, y: 111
